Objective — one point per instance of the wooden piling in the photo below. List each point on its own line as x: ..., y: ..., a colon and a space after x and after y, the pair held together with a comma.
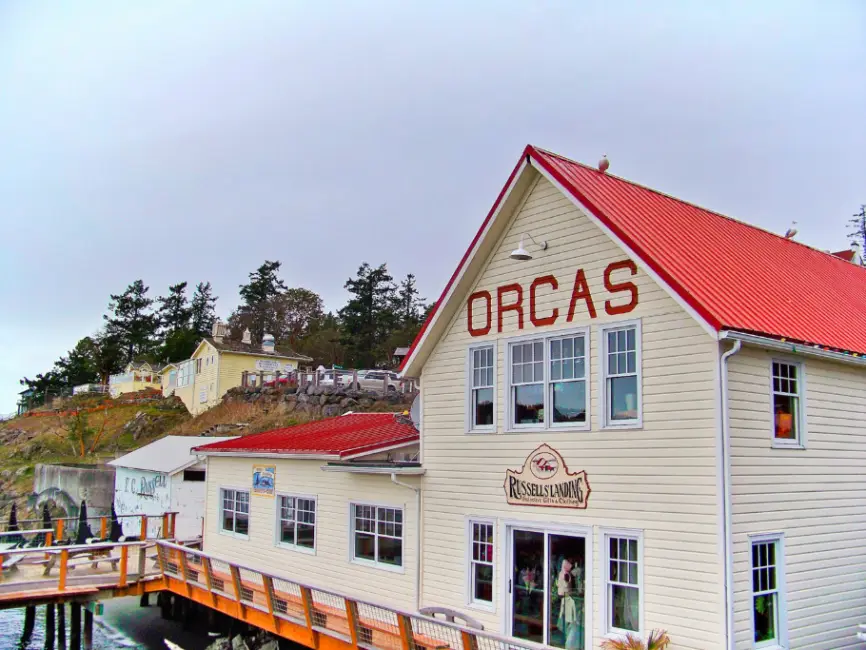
x: 49, y: 626
x: 88, y: 629
x: 61, y: 626
x: 29, y: 624
x: 75, y: 626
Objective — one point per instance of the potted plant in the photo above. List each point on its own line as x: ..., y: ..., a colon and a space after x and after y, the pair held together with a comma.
x: 658, y: 640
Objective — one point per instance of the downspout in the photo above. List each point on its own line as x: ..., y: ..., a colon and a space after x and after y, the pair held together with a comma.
x: 417, y: 491
x: 727, y: 543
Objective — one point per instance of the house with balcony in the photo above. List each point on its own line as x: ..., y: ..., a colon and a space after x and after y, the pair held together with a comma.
x: 137, y: 375
x: 219, y: 363
x: 635, y: 414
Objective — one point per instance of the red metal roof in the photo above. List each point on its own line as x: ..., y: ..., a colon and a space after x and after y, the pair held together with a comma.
x: 736, y: 276
x: 343, y: 436
x: 847, y: 255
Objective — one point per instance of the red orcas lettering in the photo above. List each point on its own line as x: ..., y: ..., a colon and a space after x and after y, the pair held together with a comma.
x: 621, y: 298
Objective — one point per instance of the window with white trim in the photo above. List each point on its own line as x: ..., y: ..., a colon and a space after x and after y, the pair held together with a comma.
x: 296, y: 521
x: 622, y: 584
x: 235, y: 515
x: 787, y: 403
x: 481, y: 388
x: 481, y: 562
x: 621, y: 375
x: 547, y: 382
x: 377, y: 534
x: 767, y: 595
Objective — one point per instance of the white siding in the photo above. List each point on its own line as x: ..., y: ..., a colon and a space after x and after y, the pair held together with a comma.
x: 816, y: 497
x: 330, y: 567
x: 188, y: 501
x: 660, y: 479
x: 137, y: 492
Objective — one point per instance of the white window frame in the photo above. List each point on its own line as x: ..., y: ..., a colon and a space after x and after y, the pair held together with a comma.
x: 487, y: 606
x: 232, y: 533
x: 547, y: 424
x: 800, y: 441
x: 279, y: 519
x: 781, y: 642
x: 604, y: 396
x: 607, y: 612
x: 401, y: 568
x: 470, y: 406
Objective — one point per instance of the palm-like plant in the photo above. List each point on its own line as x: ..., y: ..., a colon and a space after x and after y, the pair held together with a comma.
x: 658, y: 640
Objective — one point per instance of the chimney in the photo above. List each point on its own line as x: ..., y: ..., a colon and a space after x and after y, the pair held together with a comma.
x: 247, y: 339
x: 219, y: 331
x: 268, y: 344
x: 858, y: 254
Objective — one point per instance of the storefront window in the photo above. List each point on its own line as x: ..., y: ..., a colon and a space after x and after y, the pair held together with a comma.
x: 297, y: 521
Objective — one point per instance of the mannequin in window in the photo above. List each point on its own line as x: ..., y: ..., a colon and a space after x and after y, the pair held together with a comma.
x: 570, y: 589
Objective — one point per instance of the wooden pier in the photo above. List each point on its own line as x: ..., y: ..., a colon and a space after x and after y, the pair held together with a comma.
x: 317, y: 618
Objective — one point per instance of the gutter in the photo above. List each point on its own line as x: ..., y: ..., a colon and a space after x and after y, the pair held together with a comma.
x: 403, y: 471
x: 417, y: 491
x: 791, y: 347
x: 727, y: 542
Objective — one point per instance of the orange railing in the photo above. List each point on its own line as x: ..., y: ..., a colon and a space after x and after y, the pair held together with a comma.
x: 314, y: 617
x: 163, y: 526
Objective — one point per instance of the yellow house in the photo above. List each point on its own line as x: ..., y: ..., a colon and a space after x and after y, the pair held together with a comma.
x: 138, y: 375
x: 218, y: 364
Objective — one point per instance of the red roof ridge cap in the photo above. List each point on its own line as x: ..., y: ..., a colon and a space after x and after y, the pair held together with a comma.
x: 678, y: 199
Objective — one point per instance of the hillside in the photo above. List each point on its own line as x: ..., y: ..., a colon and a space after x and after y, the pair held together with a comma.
x: 93, y: 430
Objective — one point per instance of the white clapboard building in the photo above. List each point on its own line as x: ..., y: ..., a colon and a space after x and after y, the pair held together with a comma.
x: 161, y: 477
x: 635, y: 414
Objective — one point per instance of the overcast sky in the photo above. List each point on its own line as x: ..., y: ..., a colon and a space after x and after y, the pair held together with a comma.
x: 176, y: 141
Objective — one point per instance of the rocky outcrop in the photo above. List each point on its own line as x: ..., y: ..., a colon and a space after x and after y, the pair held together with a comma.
x: 257, y: 641
x: 319, y: 401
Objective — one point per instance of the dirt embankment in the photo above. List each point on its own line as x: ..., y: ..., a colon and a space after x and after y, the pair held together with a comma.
x: 93, y: 430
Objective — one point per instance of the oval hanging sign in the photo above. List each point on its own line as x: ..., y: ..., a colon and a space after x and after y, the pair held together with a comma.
x: 544, y: 480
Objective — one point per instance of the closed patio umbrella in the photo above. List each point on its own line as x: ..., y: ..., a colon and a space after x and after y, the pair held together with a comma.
x: 84, y: 532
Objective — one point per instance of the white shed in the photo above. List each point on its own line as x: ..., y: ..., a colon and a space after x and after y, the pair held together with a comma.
x: 161, y: 477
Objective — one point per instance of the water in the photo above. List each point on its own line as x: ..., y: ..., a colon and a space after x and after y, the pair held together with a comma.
x: 124, y: 626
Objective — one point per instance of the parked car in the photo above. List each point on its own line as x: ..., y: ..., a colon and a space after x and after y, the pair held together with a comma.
x: 375, y: 380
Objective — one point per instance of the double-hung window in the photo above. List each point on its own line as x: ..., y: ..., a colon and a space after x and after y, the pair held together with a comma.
x: 377, y: 535
x: 767, y: 592
x: 787, y: 404
x: 621, y: 380
x: 481, y: 563
x: 235, y: 511
x: 548, y: 382
x: 482, y: 388
x: 623, y: 583
x: 296, y: 521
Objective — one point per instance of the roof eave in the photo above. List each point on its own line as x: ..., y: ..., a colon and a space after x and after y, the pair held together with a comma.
x: 792, y: 347
x: 242, y: 453
x: 360, y: 452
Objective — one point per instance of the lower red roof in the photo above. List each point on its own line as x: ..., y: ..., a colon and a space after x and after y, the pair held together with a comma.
x: 343, y: 436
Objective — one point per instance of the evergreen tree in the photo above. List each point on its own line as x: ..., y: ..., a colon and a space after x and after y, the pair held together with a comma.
x: 174, y: 310
x: 259, y: 295
x: 857, y: 222
x: 203, y: 309
x: 79, y: 366
x: 368, y: 318
x: 323, y: 342
x: 175, y: 316
x: 132, y: 321
x: 409, y: 306
x: 108, y: 355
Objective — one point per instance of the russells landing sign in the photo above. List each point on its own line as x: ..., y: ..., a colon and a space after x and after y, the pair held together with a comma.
x: 544, y: 480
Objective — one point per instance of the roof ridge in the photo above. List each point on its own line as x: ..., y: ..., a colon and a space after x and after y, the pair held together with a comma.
x: 684, y: 202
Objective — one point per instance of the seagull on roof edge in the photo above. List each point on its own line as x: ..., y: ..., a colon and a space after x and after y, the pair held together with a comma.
x: 603, y: 164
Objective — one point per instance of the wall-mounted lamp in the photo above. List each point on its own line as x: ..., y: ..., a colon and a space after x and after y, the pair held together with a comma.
x: 520, y: 253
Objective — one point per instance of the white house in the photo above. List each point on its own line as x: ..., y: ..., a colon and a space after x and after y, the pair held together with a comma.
x: 636, y: 414
x: 163, y: 476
